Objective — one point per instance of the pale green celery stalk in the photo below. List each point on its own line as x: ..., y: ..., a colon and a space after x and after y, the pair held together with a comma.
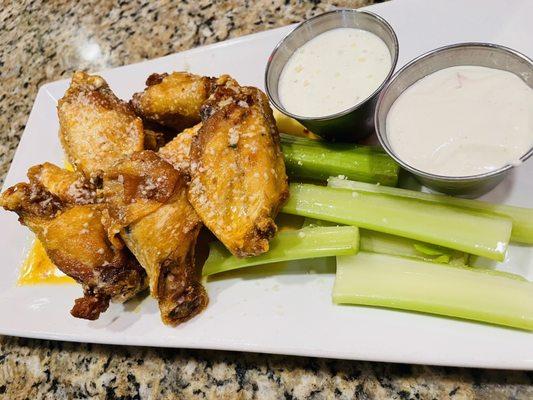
x: 462, y: 292
x: 521, y: 217
x: 308, y: 159
x: 446, y: 226
x: 287, y: 246
x: 383, y: 243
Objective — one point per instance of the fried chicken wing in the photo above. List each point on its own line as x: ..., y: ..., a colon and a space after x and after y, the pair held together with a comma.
x: 147, y: 198
x: 61, y: 208
x: 173, y: 100
x: 96, y: 128
x: 130, y: 217
x: 238, y: 179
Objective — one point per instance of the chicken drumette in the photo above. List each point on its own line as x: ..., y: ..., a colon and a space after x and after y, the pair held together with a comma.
x: 173, y: 100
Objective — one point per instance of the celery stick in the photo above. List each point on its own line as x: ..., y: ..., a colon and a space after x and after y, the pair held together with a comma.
x: 383, y: 243
x: 468, y: 293
x: 287, y: 246
x: 308, y: 159
x: 521, y: 217
x: 446, y: 226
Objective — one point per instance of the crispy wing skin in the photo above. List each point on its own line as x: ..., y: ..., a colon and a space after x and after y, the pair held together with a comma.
x: 63, y: 212
x: 178, y: 151
x: 173, y: 100
x: 238, y: 179
x: 96, y: 128
x: 148, y: 199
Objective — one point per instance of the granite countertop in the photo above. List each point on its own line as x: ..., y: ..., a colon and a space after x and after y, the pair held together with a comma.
x: 44, y: 41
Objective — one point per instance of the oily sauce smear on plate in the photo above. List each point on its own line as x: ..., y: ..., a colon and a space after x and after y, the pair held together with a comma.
x: 38, y: 269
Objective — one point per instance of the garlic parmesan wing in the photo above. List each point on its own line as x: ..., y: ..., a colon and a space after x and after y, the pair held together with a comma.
x: 238, y: 179
x: 173, y: 100
x: 96, y: 128
x: 148, y: 199
x: 62, y: 210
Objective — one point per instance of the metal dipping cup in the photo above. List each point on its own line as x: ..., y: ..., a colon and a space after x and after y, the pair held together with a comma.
x: 478, y: 54
x: 356, y: 122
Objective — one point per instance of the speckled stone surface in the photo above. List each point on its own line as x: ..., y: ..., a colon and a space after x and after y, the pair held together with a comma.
x: 42, y: 41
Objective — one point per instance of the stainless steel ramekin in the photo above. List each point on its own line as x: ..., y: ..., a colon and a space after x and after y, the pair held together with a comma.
x: 356, y: 122
x: 479, y: 54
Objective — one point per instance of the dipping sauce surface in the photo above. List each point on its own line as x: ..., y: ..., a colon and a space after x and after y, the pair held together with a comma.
x: 462, y: 121
x: 333, y: 72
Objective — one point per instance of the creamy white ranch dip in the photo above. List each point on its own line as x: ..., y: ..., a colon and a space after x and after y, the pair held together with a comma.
x: 333, y: 72
x: 462, y: 121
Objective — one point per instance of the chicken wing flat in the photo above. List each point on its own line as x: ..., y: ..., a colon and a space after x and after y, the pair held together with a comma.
x: 96, y: 128
x: 147, y: 198
x: 238, y: 179
x: 173, y: 100
x: 61, y: 208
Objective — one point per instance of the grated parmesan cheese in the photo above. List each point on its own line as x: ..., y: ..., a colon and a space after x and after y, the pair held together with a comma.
x: 233, y: 137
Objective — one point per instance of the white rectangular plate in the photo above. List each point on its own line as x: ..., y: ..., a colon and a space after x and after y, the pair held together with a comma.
x: 291, y: 312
